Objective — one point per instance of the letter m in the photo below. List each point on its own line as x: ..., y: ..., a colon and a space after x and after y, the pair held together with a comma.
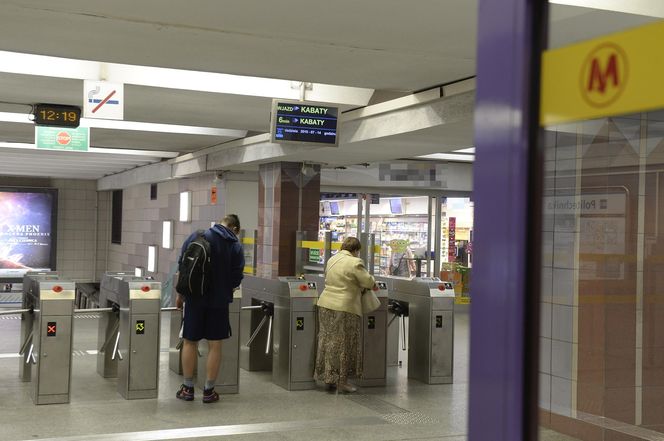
x: 598, y: 80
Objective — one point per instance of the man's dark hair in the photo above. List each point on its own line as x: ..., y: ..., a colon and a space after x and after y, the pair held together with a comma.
x: 232, y: 221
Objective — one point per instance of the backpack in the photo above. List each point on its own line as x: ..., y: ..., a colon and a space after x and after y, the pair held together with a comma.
x: 194, y: 267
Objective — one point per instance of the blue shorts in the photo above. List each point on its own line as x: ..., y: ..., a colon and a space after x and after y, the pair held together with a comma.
x: 204, y: 322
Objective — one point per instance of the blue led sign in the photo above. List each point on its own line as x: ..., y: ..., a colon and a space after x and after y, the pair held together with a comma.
x: 302, y: 122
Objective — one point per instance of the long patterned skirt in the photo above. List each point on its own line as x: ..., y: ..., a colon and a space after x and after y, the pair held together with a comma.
x: 339, y: 354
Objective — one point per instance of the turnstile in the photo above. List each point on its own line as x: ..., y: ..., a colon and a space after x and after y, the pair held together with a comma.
x: 374, y: 337
x: 135, y: 346
x: 228, y: 377
x: 109, y: 325
x: 286, y: 345
x: 47, y: 337
x: 429, y: 305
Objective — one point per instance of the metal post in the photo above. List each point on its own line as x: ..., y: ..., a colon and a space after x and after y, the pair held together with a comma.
x: 299, y: 261
x: 438, y: 236
x: 367, y: 214
x: 327, y: 252
x: 429, y: 231
x: 359, y: 215
x: 255, y: 253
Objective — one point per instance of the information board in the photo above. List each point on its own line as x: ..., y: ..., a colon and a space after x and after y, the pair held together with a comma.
x: 304, y: 122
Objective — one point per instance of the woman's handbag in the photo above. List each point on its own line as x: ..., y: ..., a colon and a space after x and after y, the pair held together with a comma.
x: 369, y: 301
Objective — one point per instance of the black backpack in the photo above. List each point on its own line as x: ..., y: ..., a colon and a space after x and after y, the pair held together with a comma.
x: 194, y: 267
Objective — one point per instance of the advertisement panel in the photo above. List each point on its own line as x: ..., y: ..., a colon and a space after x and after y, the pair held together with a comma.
x: 27, y: 231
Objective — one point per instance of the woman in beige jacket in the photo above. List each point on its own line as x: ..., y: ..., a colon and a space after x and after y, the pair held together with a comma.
x: 340, y: 316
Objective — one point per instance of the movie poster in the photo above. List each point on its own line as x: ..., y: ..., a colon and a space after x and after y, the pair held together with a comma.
x: 25, y: 232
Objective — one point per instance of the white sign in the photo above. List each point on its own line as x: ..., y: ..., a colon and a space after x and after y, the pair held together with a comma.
x: 586, y: 204
x: 103, y: 100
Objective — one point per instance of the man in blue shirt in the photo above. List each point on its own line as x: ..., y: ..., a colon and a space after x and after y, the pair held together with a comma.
x: 207, y: 316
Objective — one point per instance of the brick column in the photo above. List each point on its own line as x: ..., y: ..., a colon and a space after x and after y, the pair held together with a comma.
x: 288, y: 201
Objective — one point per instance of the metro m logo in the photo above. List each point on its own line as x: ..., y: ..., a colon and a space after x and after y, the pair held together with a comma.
x: 603, y: 75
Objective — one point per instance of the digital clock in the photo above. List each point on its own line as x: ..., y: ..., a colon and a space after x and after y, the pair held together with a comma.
x: 57, y: 115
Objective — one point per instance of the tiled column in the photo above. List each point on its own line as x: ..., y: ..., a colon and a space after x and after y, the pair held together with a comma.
x: 288, y: 201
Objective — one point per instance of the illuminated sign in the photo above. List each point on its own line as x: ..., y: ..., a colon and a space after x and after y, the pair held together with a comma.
x: 51, y: 329
x: 303, y: 122
x: 57, y: 115
x: 140, y: 326
x: 299, y: 323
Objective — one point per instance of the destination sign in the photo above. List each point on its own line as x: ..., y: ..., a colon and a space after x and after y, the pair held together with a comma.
x: 302, y: 122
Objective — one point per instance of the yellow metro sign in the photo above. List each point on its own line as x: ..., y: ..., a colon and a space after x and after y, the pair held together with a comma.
x: 612, y: 75
x: 604, y: 75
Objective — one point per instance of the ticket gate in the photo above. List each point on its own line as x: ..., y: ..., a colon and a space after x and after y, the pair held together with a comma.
x: 46, y: 332
x: 228, y: 377
x: 279, y: 319
x: 109, y: 326
x: 374, y: 336
x: 429, y: 305
x: 257, y: 310
x: 135, y: 345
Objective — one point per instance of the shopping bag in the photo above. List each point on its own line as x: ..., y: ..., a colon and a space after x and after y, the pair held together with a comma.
x: 369, y: 301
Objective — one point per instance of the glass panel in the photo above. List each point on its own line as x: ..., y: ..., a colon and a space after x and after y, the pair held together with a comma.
x: 602, y: 310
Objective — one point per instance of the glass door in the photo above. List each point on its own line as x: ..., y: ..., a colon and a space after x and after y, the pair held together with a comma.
x: 601, y: 301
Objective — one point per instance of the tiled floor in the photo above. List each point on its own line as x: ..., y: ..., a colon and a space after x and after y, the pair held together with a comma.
x: 404, y: 410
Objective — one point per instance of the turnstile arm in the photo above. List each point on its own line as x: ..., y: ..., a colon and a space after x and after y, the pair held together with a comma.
x: 269, y: 337
x: 93, y: 310
x: 112, y: 335
x: 403, y: 334
x: 16, y: 311
x: 25, y: 344
x: 115, y: 348
x: 31, y: 356
x: 258, y: 329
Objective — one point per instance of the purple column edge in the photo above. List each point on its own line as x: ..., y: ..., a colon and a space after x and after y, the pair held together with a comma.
x: 503, y: 122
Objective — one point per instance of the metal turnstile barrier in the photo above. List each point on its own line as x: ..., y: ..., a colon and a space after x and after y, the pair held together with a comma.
x: 46, y: 337
x: 373, y: 334
x: 429, y: 305
x: 278, y: 320
x: 257, y: 309
x: 294, y: 341
x: 228, y: 376
x: 134, y: 346
x: 109, y: 326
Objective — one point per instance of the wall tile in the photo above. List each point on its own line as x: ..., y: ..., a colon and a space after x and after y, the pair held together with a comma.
x: 562, y: 322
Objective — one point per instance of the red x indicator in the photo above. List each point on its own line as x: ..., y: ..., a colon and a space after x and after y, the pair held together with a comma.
x: 51, y: 329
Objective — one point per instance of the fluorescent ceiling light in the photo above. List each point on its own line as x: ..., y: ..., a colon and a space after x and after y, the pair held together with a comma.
x: 651, y: 8
x: 136, y: 126
x: 468, y: 150
x: 28, y: 64
x: 97, y: 150
x: 449, y: 157
x: 138, y: 271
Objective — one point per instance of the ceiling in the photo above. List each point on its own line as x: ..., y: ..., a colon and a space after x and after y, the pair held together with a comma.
x: 388, y: 46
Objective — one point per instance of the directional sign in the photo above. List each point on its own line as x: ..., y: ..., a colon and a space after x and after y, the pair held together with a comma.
x: 304, y: 122
x: 103, y: 100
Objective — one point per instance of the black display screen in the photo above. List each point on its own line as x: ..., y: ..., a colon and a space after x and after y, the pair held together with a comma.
x: 304, y: 122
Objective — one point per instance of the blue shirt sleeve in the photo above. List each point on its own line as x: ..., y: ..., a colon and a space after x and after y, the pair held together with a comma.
x: 237, y: 268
